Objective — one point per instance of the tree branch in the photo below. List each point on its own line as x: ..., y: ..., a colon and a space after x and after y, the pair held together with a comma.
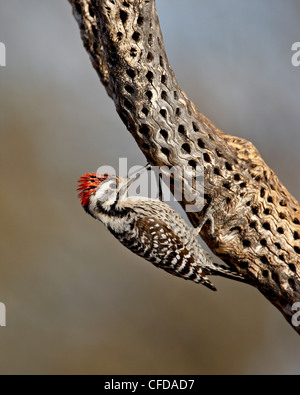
x: 257, y: 221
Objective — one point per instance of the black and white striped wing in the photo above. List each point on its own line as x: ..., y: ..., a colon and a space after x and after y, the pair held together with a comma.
x: 157, y: 243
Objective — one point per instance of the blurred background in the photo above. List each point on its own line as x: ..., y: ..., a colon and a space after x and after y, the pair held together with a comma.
x: 77, y: 301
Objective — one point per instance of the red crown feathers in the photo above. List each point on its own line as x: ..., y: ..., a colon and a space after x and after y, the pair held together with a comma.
x: 87, y: 185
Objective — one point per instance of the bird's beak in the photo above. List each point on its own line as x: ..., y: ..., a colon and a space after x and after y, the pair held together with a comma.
x: 135, y: 176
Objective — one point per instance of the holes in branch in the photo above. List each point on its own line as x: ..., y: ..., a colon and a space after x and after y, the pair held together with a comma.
x: 91, y: 11
x: 144, y: 130
x: 246, y: 243
x: 140, y: 20
x: 95, y: 46
x: 296, y: 221
x: 133, y: 52
x: 217, y: 171
x: 267, y: 226
x: 181, y: 129
x: 195, y: 127
x: 164, y: 95
x: 149, y: 57
x: 129, y: 89
x: 296, y: 236
x: 145, y: 111
x: 292, y: 267
x: 150, y: 39
x: 128, y: 105
x: 265, y: 273
x: 164, y: 133
x: 206, y: 157
x: 228, y: 166
x: 178, y: 112
x: 244, y: 265
x: 120, y: 36
x: 186, y: 148
x: 163, y: 113
x: 280, y: 230
x: 136, y: 37
x: 130, y: 73
x: 208, y: 198
x: 275, y: 278
x: 201, y: 143
x: 123, y: 16
x: 228, y: 201
x: 237, y: 177
x: 146, y: 147
x: 165, y: 151
x: 95, y: 31
x: 161, y: 61
x: 175, y: 95
x: 263, y: 242
x: 150, y: 76
x: 219, y: 153
x: 193, y: 164
x: 149, y: 94
x: 270, y: 199
x: 297, y: 249
x: 264, y: 260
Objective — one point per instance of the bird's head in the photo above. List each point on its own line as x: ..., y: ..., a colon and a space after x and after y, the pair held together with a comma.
x: 100, y: 192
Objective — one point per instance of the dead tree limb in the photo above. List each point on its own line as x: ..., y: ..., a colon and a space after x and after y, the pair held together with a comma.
x: 257, y: 228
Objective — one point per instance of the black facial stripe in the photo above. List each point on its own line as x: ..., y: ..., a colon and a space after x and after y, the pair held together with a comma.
x: 113, y: 211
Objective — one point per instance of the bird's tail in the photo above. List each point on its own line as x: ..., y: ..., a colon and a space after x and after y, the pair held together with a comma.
x: 225, y: 271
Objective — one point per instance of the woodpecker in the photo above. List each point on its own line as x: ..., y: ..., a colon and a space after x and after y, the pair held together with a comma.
x: 150, y: 228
